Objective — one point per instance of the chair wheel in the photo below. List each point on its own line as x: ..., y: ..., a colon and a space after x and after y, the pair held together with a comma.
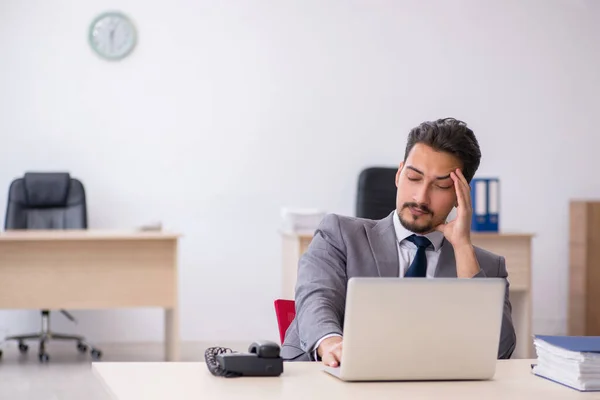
x: 23, y: 347
x: 96, y: 354
x: 82, y: 347
x: 44, y: 357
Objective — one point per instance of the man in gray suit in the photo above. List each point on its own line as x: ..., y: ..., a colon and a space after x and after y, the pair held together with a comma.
x: 415, y: 240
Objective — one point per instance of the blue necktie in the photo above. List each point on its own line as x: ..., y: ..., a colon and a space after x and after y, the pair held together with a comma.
x: 418, y: 268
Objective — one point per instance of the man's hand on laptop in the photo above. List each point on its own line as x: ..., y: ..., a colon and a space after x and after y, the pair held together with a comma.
x: 330, y: 351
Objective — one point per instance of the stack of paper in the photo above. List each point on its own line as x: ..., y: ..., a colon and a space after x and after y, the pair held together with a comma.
x: 572, y: 361
x: 301, y: 220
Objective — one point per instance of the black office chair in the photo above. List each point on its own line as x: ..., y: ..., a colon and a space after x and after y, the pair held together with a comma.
x: 47, y: 201
x: 376, y: 195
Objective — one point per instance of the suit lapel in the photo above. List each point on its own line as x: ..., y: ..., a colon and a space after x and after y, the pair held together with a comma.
x: 382, y: 240
x: 446, y: 267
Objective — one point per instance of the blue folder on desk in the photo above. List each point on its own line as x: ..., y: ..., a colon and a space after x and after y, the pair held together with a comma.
x: 572, y: 361
x: 586, y: 344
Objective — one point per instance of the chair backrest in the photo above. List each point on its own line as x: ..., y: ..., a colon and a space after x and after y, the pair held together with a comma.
x: 376, y: 194
x: 46, y: 200
x: 285, y: 310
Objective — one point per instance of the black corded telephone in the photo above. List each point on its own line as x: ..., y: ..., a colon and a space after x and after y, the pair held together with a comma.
x: 262, y: 359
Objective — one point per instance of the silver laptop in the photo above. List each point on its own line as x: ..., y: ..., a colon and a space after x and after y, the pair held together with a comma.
x: 421, y: 329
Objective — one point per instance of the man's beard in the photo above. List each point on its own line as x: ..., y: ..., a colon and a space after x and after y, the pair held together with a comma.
x: 412, y: 225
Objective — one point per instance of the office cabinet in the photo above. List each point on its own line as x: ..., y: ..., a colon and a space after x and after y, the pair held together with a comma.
x: 584, y: 268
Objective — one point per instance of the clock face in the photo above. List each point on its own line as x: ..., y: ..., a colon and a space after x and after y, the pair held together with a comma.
x: 112, y: 36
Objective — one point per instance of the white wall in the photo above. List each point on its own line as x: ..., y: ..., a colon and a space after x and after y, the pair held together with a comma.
x: 228, y: 111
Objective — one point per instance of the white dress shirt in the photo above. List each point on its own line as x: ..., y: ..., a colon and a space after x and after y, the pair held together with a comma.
x: 406, y: 254
x: 407, y: 249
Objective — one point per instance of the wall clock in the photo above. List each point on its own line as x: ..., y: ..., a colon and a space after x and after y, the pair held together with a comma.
x: 112, y: 36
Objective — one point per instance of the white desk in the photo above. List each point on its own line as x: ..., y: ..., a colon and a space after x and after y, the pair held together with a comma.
x: 303, y: 381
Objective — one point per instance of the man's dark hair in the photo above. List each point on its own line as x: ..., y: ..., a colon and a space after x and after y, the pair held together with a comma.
x: 451, y: 136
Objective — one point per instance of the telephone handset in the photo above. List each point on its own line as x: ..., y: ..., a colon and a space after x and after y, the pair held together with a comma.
x: 262, y: 359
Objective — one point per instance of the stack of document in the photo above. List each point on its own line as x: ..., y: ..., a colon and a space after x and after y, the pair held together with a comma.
x: 300, y: 220
x: 573, y: 361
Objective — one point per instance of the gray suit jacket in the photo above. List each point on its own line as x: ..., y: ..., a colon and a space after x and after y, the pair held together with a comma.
x: 345, y: 247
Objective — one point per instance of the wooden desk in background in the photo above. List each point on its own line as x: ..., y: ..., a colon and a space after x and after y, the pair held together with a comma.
x: 516, y: 248
x: 92, y: 270
x: 306, y: 380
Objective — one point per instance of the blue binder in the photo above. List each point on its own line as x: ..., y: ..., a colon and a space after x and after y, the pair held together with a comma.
x: 585, y: 344
x: 485, y: 199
